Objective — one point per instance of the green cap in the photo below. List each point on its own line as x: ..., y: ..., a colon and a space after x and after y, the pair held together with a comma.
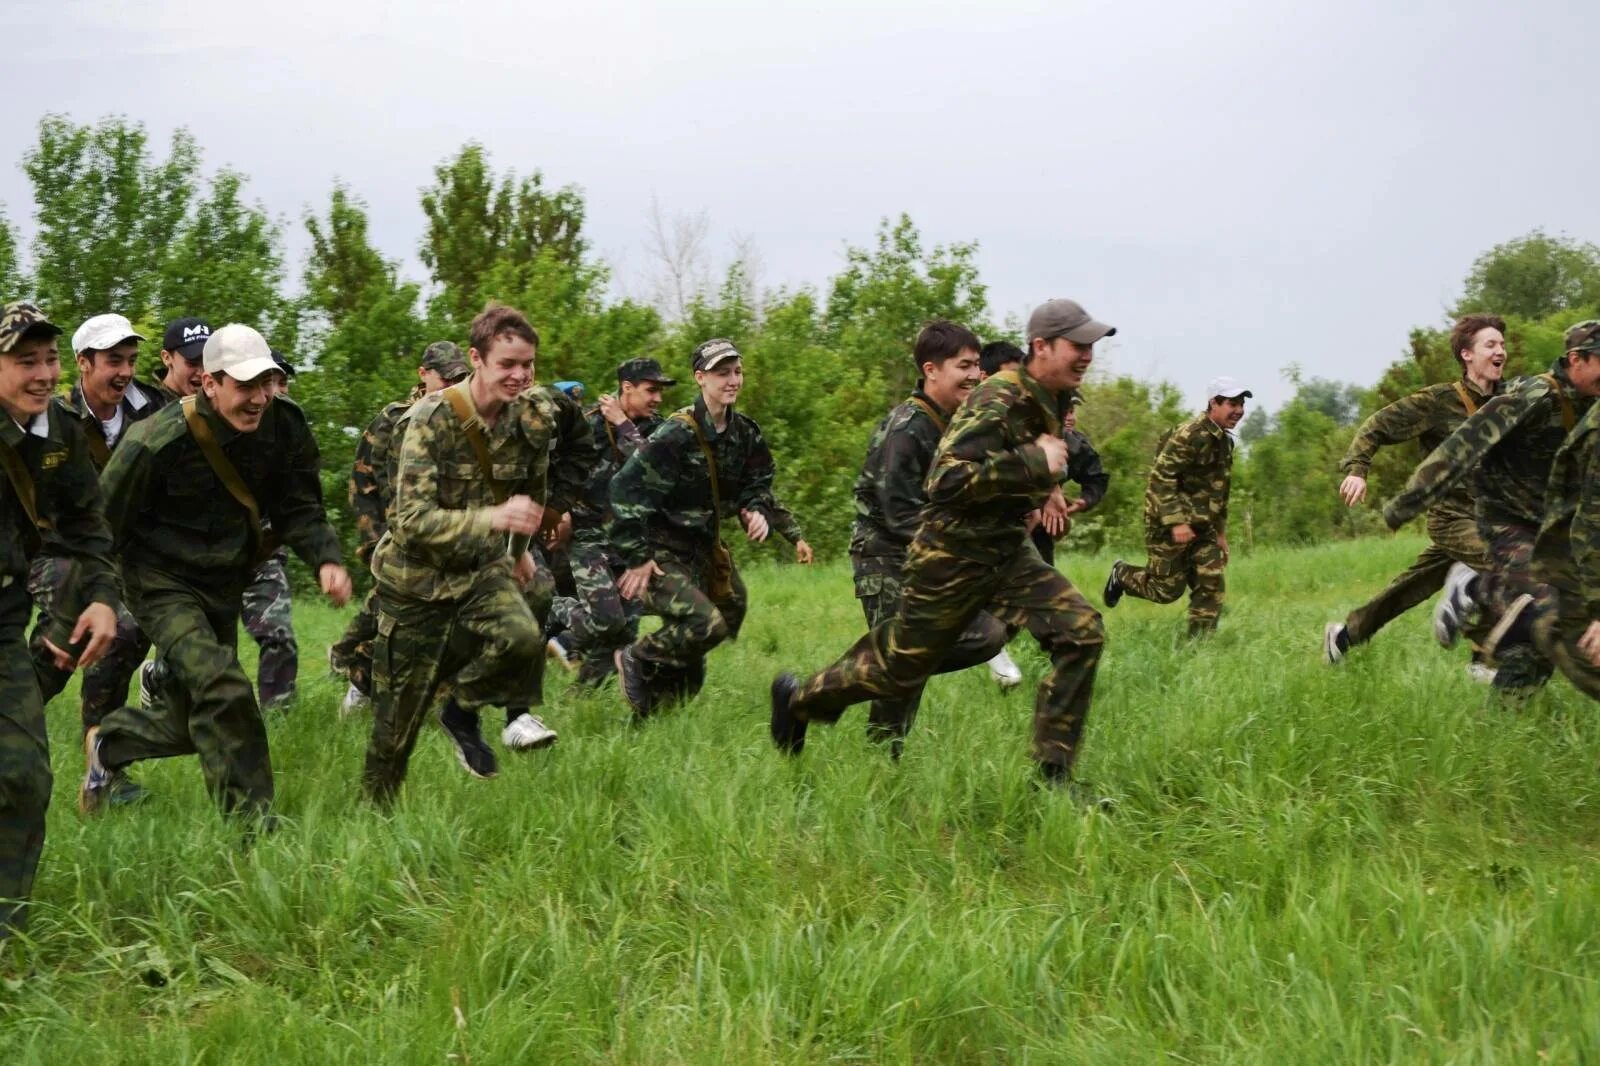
x: 444, y: 358
x: 19, y: 320
x: 1584, y: 337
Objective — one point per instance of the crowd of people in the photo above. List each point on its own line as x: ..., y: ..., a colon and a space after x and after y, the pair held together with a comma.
x: 506, y: 525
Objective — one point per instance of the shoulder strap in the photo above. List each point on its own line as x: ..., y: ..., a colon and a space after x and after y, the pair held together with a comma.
x: 226, y: 472
x: 1466, y: 399
x: 457, y: 397
x: 21, y: 484
x: 1569, y: 417
x: 939, y: 420
x: 688, y: 419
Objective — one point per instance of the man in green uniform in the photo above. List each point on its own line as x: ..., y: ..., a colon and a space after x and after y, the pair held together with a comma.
x: 889, y: 497
x: 602, y: 621
x: 182, y: 347
x: 706, y: 464
x: 370, y: 499
x: 469, y: 491
x: 1186, y: 514
x: 1427, y: 416
x: 51, y: 504
x: 1001, y: 456
x: 187, y: 495
x: 1511, y: 448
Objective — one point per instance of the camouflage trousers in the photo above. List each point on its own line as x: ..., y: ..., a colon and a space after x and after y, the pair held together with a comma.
x: 599, y: 620
x: 351, y: 655
x: 1554, y: 623
x: 983, y: 639
x: 487, y: 646
x: 206, y: 705
x: 105, y: 684
x: 1197, y: 566
x: 941, y: 593
x: 268, y: 617
x: 673, y: 658
x: 1455, y: 539
x: 1520, y: 667
x: 24, y: 762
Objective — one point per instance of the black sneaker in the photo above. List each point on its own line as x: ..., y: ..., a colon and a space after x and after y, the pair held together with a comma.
x: 788, y: 731
x: 635, y: 689
x: 462, y: 728
x: 1113, y: 590
x: 124, y: 791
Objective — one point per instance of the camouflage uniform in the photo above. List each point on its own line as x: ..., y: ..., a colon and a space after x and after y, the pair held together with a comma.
x: 268, y: 614
x: 1428, y: 417
x: 889, y: 500
x: 1508, y: 448
x: 187, y: 549
x: 1084, y: 470
x: 970, y: 554
x: 1189, y: 484
x: 56, y: 455
x: 450, y: 609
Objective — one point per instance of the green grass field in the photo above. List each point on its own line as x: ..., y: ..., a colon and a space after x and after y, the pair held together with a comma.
x: 1368, y: 863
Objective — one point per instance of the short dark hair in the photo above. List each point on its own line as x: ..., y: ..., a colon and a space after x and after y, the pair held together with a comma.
x: 1468, y: 327
x: 497, y: 320
x: 942, y: 340
x: 997, y: 354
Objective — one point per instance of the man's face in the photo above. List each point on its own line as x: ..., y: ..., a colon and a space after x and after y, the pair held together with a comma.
x: 183, y: 377
x: 28, y: 377
x: 507, y: 368
x: 432, y: 380
x: 1583, y: 370
x: 640, y: 399
x: 277, y: 384
x: 952, y: 381
x: 1069, y: 417
x: 1059, y: 363
x: 239, y: 403
x: 1486, y: 359
x: 105, y: 374
x: 722, y: 382
x: 1226, y: 411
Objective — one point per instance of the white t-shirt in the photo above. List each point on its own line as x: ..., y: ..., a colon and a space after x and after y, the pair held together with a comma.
x: 113, y: 428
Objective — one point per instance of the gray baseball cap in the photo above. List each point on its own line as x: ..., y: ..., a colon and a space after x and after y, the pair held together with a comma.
x: 1066, y: 318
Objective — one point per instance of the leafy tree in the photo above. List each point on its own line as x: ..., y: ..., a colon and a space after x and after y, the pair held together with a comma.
x: 1533, y: 276
x: 13, y: 285
x: 226, y: 264
x: 343, y: 268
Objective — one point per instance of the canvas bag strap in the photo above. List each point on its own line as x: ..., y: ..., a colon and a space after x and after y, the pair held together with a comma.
x: 21, y: 484
x: 1466, y: 399
x: 457, y: 397
x: 711, y: 466
x: 226, y: 472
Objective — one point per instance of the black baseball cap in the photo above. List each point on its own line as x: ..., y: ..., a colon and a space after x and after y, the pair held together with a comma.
x: 283, y: 363
x: 187, y: 337
x: 644, y: 370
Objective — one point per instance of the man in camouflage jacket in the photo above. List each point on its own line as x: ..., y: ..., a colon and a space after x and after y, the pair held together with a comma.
x: 1000, y: 458
x: 1427, y: 416
x: 370, y: 497
x: 1186, y: 514
x: 665, y: 529
x: 889, y: 499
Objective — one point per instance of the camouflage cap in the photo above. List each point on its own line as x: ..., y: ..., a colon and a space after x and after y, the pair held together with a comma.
x: 1584, y: 337
x: 18, y: 320
x: 445, y: 359
x: 707, y: 354
x: 643, y: 370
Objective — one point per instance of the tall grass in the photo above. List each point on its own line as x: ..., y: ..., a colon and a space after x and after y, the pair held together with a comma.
x: 1368, y: 863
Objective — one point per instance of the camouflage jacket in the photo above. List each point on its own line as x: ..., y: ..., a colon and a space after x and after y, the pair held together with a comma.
x: 661, y: 498
x: 439, y: 534
x: 616, y: 443
x: 66, y: 494
x: 1507, y: 448
x: 989, y: 472
x: 1084, y: 469
x: 1566, y: 553
x: 889, y: 490
x: 1427, y: 416
x: 1190, y: 480
x: 139, y: 402
x: 370, y: 474
x: 168, y: 511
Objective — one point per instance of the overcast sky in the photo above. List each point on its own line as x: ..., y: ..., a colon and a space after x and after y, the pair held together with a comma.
x: 1235, y: 185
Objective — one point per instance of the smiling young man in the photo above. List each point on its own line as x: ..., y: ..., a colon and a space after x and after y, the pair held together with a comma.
x: 454, y: 563
x: 1000, y: 458
x: 708, y: 463
x: 1186, y: 514
x: 50, y: 503
x: 182, y: 357
x: 889, y: 498
x: 187, y: 496
x: 1427, y: 416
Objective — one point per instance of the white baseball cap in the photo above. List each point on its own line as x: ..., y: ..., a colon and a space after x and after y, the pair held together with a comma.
x: 239, y: 352
x: 102, y: 332
x: 1227, y: 388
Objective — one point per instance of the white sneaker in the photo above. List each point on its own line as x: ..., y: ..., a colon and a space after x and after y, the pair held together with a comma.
x: 1005, y: 672
x: 1482, y: 673
x: 147, y: 684
x: 557, y: 649
x: 354, y: 700
x: 526, y: 733
x: 1455, y: 607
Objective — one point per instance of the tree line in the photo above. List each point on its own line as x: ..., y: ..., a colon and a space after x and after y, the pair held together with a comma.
x: 125, y: 225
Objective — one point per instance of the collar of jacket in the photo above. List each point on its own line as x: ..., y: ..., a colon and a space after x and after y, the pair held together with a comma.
x: 38, y: 426
x: 134, y: 399
x: 1494, y: 390
x: 1051, y: 402
x: 703, y: 416
x: 1213, y: 428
